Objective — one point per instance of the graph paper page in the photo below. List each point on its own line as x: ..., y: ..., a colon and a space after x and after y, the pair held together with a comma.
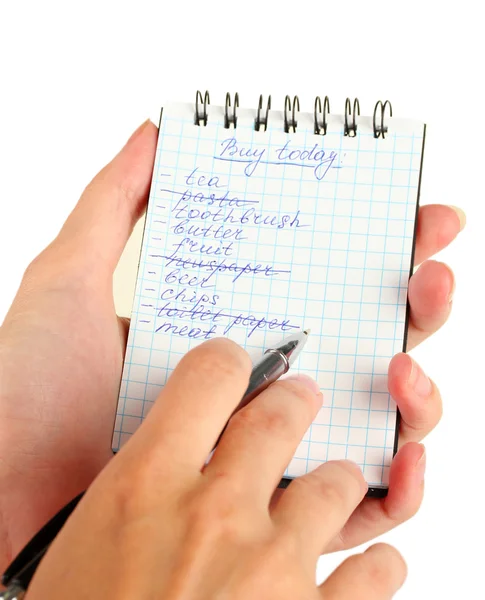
x: 256, y: 235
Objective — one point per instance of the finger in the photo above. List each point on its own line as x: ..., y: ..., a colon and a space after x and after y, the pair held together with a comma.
x: 375, y: 516
x: 417, y: 397
x: 261, y: 438
x: 315, y: 507
x: 377, y: 573
x: 430, y: 294
x: 194, y: 406
x: 438, y: 225
x: 98, y: 228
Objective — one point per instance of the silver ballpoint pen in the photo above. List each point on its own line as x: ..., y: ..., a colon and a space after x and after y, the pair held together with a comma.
x: 274, y: 363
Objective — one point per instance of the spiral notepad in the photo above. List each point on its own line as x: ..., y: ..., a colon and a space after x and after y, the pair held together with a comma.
x: 261, y: 222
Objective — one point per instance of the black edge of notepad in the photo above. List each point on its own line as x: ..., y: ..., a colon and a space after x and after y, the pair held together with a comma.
x: 411, y: 269
x: 378, y: 491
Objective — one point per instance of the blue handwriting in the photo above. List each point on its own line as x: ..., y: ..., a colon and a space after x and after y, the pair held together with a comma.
x: 214, y: 266
x: 202, y: 313
x: 316, y: 158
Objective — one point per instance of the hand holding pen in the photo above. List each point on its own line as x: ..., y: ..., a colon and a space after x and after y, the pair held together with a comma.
x: 161, y: 522
x: 274, y: 363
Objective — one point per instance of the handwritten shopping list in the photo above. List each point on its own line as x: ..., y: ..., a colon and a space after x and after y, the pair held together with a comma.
x: 257, y: 235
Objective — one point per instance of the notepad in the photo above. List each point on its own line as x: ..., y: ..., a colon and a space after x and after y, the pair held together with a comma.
x: 254, y: 235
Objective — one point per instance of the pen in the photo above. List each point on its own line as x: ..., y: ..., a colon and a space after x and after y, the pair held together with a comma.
x: 274, y: 363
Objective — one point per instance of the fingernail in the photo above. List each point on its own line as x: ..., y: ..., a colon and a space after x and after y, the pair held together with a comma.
x: 451, y: 278
x: 450, y: 297
x: 461, y: 216
x: 420, y: 466
x: 418, y: 381
x: 138, y: 130
x: 310, y: 383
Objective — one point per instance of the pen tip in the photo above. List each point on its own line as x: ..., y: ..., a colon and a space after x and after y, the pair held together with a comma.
x: 306, y: 331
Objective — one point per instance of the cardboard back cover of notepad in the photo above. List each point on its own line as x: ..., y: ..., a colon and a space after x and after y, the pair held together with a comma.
x: 256, y: 234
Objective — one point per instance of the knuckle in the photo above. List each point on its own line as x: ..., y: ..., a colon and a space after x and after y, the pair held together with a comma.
x: 58, y: 266
x: 284, y: 418
x: 257, y: 420
x: 337, y: 485
x: 133, y: 488
x: 275, y: 550
x: 214, y: 512
x: 123, y: 188
x: 129, y: 192
x: 37, y: 269
x: 139, y: 479
x: 43, y: 273
x: 425, y: 418
x: 127, y: 500
x: 269, y: 557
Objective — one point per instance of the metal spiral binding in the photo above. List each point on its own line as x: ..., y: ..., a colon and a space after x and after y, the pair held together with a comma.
x: 259, y: 121
x: 321, y: 129
x: 381, y: 129
x: 204, y: 102
x: 231, y: 119
x: 291, y: 124
x: 351, y: 130
x: 292, y: 107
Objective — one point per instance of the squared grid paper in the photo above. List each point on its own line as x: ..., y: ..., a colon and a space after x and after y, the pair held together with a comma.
x: 335, y: 250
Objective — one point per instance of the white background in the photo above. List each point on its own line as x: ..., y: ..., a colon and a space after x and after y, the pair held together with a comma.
x: 76, y: 79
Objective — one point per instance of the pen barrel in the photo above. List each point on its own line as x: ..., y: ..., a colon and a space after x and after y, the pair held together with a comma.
x: 265, y: 371
x: 13, y: 592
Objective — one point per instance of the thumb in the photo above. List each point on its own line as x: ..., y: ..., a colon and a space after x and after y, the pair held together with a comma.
x: 95, y: 233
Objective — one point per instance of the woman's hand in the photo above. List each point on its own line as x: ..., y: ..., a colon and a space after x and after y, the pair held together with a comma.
x: 62, y: 349
x: 160, y: 523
